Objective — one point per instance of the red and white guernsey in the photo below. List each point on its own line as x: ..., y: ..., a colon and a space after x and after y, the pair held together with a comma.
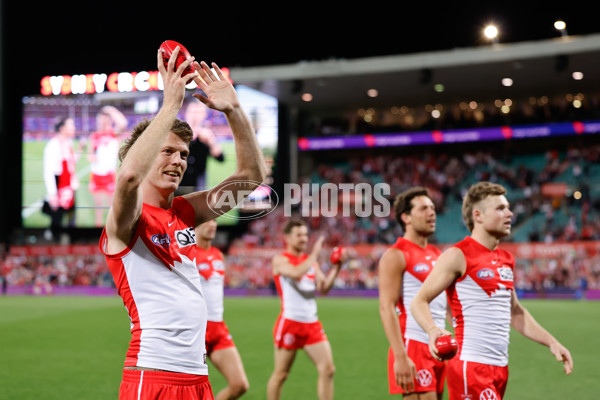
x: 212, y: 276
x: 106, y: 148
x: 481, y: 304
x: 419, y: 264
x: 157, y: 278
x: 298, y: 302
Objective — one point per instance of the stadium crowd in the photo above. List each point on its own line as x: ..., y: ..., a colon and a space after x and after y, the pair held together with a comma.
x: 574, y: 215
x: 459, y: 115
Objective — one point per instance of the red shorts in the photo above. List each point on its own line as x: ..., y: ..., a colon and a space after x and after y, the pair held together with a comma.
x: 217, y: 337
x: 430, y: 372
x: 470, y: 380
x: 102, y: 183
x: 159, y: 385
x: 295, y: 335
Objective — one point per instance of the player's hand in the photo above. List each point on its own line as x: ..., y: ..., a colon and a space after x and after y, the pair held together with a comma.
x: 405, y: 373
x: 562, y: 354
x: 174, y: 83
x: 219, y: 93
x: 434, y: 334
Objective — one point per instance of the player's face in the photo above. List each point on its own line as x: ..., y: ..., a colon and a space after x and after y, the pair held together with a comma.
x: 103, y: 122
x: 496, y: 216
x: 298, y: 238
x: 207, y: 230
x: 170, y: 164
x: 422, y: 216
x: 68, y: 128
x: 195, y: 115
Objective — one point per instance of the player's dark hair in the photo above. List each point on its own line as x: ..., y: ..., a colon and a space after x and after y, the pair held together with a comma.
x: 476, y: 193
x: 403, y: 202
x: 291, y: 224
x: 59, y: 123
x: 179, y: 127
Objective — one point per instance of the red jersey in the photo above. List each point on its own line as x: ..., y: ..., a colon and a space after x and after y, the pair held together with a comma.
x: 212, y: 273
x: 157, y: 278
x: 419, y: 264
x: 297, y: 296
x: 481, y: 304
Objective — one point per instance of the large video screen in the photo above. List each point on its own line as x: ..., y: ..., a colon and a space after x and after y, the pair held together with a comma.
x: 71, y: 144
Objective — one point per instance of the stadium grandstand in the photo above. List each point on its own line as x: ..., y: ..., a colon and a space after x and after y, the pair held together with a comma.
x: 455, y: 101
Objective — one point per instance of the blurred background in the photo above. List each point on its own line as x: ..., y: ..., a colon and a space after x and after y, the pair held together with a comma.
x: 376, y: 93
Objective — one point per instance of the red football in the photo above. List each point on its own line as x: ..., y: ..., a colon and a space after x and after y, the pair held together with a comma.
x: 336, y: 254
x: 446, y: 346
x: 167, y: 47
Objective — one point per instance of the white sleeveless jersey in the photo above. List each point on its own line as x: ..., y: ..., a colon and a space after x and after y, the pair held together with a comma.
x: 481, y: 304
x: 212, y: 275
x: 157, y: 278
x: 106, y: 150
x: 298, y: 302
x: 419, y: 264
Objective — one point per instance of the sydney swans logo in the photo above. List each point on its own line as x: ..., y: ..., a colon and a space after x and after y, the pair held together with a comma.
x: 253, y: 197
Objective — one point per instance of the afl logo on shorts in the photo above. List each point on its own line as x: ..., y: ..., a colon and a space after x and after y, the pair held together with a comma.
x: 485, y: 273
x: 421, y: 268
x: 185, y: 237
x: 161, y: 240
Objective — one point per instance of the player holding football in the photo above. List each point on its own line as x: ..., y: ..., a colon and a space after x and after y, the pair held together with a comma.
x: 149, y: 241
x: 478, y: 278
x: 219, y: 345
x: 412, y: 370
x: 297, y: 278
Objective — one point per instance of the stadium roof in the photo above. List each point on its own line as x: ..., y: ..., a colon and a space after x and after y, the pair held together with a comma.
x: 537, y: 68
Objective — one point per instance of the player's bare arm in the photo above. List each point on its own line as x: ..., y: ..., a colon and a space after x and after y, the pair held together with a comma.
x: 282, y: 266
x: 127, y: 202
x: 251, y: 168
x: 526, y: 325
x: 450, y: 266
x: 391, y: 270
x: 325, y: 281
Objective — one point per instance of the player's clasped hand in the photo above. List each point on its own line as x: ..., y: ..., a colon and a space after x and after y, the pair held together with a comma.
x: 173, y: 81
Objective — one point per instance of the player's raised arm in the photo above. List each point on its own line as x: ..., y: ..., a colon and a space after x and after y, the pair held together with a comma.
x: 127, y: 202
x: 324, y: 281
x: 451, y: 265
x: 251, y: 168
x: 282, y: 266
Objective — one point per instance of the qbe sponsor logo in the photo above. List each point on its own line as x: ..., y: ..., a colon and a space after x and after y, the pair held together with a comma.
x: 185, y: 237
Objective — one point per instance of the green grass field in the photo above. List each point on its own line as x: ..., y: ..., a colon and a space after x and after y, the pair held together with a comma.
x: 74, y: 347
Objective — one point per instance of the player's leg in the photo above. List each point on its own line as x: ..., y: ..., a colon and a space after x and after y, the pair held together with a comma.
x: 421, y: 396
x: 284, y: 358
x: 321, y: 355
x: 229, y: 363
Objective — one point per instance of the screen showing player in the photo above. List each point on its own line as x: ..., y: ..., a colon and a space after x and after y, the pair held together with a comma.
x: 71, y: 144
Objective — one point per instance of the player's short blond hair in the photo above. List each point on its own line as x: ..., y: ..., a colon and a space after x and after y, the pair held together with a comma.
x: 179, y: 127
x: 476, y: 193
